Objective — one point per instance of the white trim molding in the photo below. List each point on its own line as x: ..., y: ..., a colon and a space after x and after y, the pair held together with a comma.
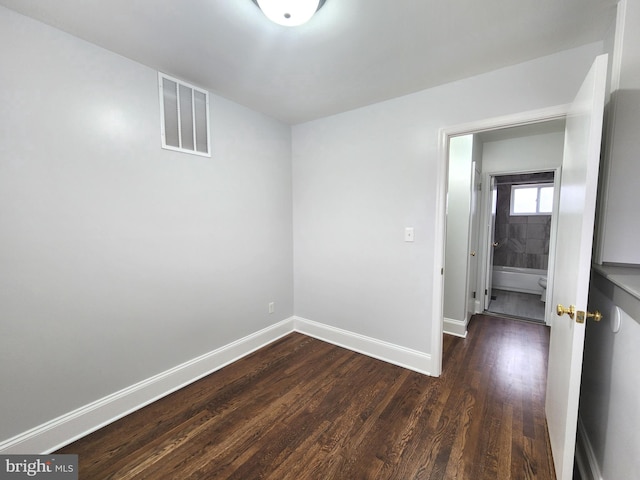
x: 454, y: 327
x: 442, y: 167
x: 585, y: 456
x: 67, y: 428
x: 403, y: 357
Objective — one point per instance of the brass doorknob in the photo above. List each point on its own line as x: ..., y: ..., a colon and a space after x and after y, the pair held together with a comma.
x: 582, y: 316
x: 597, y: 316
x: 571, y: 310
x: 473, y: 254
x: 495, y: 244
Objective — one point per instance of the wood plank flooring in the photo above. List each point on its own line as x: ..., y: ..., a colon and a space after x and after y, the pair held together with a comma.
x: 304, y: 409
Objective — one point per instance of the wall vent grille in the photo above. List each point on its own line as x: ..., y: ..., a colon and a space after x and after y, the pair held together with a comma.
x: 184, y: 111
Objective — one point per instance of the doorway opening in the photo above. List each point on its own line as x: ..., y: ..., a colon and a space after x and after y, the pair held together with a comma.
x: 496, y: 128
x: 500, y: 229
x: 522, y: 206
x: 572, y: 255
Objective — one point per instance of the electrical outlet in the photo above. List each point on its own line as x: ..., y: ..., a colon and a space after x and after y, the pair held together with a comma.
x: 408, y: 234
x: 272, y: 307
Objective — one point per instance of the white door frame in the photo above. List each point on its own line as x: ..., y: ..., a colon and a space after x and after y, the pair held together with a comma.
x: 486, y: 239
x: 519, y: 119
x: 489, y: 211
x: 475, y: 240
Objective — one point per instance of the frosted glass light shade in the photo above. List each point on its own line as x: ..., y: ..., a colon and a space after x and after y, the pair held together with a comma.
x: 289, y: 13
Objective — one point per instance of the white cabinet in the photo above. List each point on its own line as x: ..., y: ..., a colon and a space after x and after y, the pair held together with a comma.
x: 619, y: 225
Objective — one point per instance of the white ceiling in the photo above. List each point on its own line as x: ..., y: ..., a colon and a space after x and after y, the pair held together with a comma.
x: 352, y: 53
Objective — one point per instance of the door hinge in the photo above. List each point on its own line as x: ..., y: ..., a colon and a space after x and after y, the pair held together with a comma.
x: 474, y: 294
x: 486, y: 292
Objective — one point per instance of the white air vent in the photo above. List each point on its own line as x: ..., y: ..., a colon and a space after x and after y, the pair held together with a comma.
x: 184, y: 112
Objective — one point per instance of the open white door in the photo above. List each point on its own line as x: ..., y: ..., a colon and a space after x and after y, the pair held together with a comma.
x: 472, y: 267
x: 573, y: 263
x: 491, y: 235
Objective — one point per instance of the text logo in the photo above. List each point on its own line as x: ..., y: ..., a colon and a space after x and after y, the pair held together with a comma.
x: 51, y: 467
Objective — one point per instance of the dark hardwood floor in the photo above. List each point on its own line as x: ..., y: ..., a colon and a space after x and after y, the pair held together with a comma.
x: 304, y: 409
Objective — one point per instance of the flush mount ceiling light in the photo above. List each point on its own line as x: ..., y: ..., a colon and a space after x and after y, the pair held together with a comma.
x: 289, y: 13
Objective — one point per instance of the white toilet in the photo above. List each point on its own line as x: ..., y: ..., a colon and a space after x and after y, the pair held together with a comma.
x: 543, y: 283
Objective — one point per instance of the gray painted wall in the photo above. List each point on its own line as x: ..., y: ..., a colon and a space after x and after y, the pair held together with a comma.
x: 526, y: 152
x: 610, y: 392
x: 362, y: 176
x: 120, y: 260
x: 619, y: 232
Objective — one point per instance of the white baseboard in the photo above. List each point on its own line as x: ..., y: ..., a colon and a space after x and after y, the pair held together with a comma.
x: 585, y: 456
x: 455, y: 327
x: 67, y: 428
x: 74, y: 425
x: 388, y: 352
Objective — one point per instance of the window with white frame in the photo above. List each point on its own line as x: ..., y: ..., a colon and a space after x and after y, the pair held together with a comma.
x: 535, y: 199
x: 184, y: 111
